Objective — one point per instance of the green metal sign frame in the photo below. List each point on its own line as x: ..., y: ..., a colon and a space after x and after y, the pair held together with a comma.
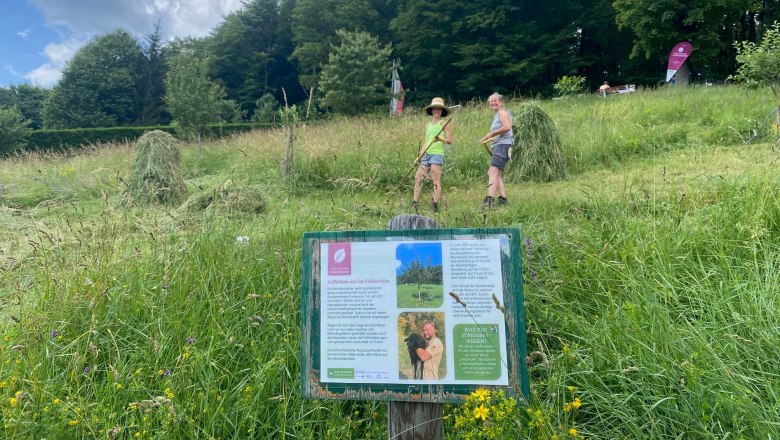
x: 512, y: 310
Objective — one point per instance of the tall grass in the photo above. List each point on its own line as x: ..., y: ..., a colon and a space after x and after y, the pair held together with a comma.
x: 651, y: 278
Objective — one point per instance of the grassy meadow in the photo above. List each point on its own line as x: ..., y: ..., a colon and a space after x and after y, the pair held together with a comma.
x: 651, y: 277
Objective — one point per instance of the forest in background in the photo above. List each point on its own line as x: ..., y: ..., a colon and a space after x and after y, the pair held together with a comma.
x: 272, y: 52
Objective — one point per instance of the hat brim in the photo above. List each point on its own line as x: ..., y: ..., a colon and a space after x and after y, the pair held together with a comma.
x: 444, y: 109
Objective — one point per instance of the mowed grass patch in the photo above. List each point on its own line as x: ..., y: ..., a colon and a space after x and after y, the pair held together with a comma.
x: 419, y: 295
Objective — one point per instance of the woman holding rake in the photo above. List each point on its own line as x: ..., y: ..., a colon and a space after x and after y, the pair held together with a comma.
x: 438, y: 138
x: 502, y: 138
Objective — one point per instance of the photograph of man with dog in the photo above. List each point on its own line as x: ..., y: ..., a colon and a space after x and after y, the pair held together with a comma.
x: 421, y: 351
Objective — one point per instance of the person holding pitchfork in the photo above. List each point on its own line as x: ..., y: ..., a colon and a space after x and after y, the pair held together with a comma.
x: 438, y: 139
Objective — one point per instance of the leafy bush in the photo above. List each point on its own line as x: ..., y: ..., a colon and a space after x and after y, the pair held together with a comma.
x: 53, y: 140
x: 569, y: 85
x: 13, y: 129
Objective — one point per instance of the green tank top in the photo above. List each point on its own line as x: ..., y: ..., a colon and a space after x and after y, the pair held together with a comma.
x: 431, y: 130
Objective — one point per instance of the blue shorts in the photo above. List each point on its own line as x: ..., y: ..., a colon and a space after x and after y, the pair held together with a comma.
x: 432, y: 159
x: 500, y: 156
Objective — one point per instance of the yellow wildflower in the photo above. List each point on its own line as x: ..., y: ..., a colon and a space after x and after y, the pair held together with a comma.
x: 118, y: 386
x: 168, y: 393
x: 73, y: 422
x: 12, y: 401
x: 56, y: 401
x: 572, y: 432
x: 570, y: 388
x: 481, y: 412
x: 576, y: 403
x: 481, y: 393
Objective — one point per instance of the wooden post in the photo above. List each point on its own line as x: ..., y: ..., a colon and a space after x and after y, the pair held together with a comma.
x: 413, y: 420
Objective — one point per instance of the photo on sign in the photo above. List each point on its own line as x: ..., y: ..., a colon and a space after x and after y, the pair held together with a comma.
x: 419, y: 277
x: 421, y: 353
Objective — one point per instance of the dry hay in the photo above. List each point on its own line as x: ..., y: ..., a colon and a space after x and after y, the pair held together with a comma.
x: 229, y: 197
x: 537, y: 151
x: 155, y: 176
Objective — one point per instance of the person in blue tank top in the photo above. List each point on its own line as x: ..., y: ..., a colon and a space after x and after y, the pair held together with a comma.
x: 438, y: 139
x: 501, y: 138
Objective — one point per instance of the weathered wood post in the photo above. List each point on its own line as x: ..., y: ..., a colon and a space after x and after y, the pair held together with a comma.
x: 413, y: 420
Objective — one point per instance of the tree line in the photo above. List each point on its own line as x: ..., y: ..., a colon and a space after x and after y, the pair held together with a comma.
x: 335, y: 55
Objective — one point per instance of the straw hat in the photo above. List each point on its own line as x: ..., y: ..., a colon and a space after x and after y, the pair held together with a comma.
x: 437, y: 103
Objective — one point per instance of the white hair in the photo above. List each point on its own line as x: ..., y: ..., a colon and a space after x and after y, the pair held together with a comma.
x: 497, y: 96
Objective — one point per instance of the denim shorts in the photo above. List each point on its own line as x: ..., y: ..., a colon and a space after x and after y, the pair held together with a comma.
x: 500, y: 156
x: 432, y: 159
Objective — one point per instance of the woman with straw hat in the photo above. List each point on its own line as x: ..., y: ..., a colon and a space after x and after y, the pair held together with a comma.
x: 438, y: 138
x: 502, y: 138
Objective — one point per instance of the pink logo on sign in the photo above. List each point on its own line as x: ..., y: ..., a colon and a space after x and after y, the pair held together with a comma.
x: 339, y: 258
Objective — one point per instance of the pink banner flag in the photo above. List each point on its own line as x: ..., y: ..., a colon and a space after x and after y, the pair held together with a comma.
x: 677, y: 57
x: 397, y: 101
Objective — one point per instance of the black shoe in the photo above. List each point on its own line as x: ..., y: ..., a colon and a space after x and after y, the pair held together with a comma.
x: 416, y: 207
x: 502, y: 201
x: 488, y: 202
x: 435, y: 207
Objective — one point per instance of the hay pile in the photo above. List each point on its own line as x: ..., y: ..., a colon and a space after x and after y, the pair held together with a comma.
x: 537, y: 151
x: 155, y: 177
x: 229, y: 197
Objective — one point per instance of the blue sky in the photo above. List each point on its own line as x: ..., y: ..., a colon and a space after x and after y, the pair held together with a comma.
x: 406, y: 253
x: 37, y: 37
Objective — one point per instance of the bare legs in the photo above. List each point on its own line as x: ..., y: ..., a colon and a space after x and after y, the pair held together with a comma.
x: 495, y: 183
x: 422, y: 172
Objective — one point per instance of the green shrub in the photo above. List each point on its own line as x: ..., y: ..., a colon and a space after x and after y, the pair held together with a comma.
x: 13, y: 129
x: 569, y: 85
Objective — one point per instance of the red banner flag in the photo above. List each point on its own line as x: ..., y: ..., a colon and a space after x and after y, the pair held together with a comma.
x: 677, y: 57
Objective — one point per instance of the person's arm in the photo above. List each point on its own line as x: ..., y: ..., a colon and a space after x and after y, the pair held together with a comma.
x: 503, y: 114
x: 423, y: 354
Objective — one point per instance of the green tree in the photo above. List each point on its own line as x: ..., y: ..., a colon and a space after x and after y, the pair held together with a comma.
x: 14, y: 129
x: 151, y: 82
x: 354, y: 80
x: 245, y: 54
x: 711, y: 26
x: 314, y: 25
x: 193, y: 99
x: 98, y: 85
x: 759, y: 64
x: 266, y: 109
x: 28, y: 99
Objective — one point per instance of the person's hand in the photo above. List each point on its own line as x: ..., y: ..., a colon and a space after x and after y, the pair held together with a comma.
x: 438, y: 139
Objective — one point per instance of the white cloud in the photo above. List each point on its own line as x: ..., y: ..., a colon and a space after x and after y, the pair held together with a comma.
x: 179, y: 18
x: 83, y: 19
x: 45, y: 75
x: 57, y: 54
x: 24, y: 33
